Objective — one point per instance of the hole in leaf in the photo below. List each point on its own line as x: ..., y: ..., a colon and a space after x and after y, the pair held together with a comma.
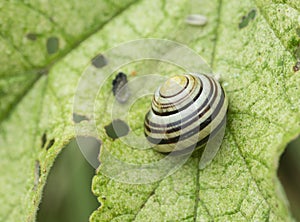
x: 67, y: 193
x: 77, y: 118
x: 90, y: 148
x: 99, y: 61
x: 116, y: 129
x: 50, y: 144
x: 44, y: 139
x: 52, y: 45
x: 288, y: 173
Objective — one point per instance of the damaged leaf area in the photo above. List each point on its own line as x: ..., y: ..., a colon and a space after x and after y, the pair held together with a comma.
x: 36, y: 91
x: 53, y: 43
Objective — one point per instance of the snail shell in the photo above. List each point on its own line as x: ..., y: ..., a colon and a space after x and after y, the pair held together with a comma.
x: 186, y: 111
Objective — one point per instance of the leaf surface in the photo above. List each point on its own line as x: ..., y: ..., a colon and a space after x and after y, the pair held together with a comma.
x: 34, y: 125
x: 39, y: 78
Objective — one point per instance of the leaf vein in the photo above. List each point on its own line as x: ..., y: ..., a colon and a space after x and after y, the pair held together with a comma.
x: 274, y: 31
x: 249, y: 171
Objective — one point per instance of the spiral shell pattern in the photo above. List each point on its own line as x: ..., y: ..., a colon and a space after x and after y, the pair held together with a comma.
x: 186, y: 111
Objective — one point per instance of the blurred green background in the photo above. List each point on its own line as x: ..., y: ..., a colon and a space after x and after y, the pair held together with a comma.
x: 68, y: 197
x: 289, y: 175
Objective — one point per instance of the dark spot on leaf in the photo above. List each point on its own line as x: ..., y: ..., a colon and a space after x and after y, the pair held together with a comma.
x: 296, y: 67
x: 50, y: 144
x: 252, y: 14
x: 52, y: 45
x: 247, y: 18
x: 31, y: 36
x: 77, y: 118
x: 44, y: 140
x: 99, y: 61
x: 120, y: 88
x: 116, y: 129
x: 90, y: 148
x: 243, y: 23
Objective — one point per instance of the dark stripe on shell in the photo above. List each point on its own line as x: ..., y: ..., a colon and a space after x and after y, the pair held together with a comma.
x: 171, y: 104
x: 200, y: 143
x: 163, y: 106
x: 168, y: 113
x: 179, y: 101
x: 192, y: 132
x: 210, y: 95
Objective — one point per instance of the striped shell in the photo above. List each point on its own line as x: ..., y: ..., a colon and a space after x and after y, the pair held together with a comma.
x: 186, y: 111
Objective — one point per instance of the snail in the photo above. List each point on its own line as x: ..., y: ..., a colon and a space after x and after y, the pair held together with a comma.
x: 186, y: 112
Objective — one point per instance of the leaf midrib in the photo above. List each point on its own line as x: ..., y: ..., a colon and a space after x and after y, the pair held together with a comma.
x: 40, y: 71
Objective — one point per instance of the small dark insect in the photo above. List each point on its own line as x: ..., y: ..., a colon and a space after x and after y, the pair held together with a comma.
x: 296, y: 67
x: 120, y: 88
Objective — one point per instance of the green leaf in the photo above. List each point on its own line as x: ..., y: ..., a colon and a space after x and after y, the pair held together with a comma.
x: 46, y: 48
x: 36, y: 91
x: 255, y: 62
